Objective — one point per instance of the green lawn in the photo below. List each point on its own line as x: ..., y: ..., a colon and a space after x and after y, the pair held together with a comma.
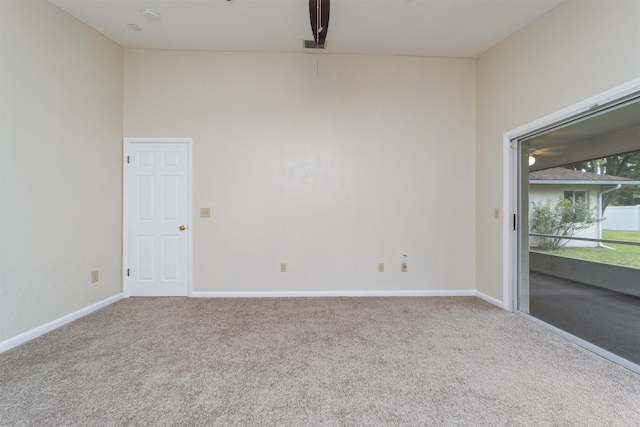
x: 623, y: 255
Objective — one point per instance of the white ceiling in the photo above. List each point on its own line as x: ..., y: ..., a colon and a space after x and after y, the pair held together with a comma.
x: 444, y: 28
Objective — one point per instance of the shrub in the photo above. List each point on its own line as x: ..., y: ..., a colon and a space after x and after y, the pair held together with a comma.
x: 565, y: 217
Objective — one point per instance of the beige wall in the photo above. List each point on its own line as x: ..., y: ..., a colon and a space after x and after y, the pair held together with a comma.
x: 575, y: 51
x: 61, y: 101
x: 328, y: 163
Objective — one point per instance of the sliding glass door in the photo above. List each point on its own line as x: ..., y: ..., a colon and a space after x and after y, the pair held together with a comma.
x: 579, y: 229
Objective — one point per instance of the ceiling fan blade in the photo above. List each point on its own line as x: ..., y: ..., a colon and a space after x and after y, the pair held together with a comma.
x: 319, y: 15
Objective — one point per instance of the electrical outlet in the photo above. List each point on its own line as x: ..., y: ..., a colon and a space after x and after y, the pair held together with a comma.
x: 95, y: 276
x: 283, y: 267
x: 403, y: 267
x: 205, y: 212
x: 381, y: 267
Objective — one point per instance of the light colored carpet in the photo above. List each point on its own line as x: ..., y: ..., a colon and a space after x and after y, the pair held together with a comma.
x: 316, y: 361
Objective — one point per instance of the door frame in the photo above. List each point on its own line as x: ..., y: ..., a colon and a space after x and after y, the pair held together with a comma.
x: 511, y: 179
x: 126, y: 141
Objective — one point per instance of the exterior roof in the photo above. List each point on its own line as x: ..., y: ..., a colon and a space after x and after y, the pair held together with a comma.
x: 565, y: 176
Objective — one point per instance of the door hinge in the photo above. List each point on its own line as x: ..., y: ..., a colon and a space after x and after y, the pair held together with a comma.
x: 514, y: 222
x: 128, y: 160
x: 128, y: 272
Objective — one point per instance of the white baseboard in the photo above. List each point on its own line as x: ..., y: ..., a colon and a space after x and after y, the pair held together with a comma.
x: 54, y: 324
x: 489, y: 299
x: 295, y: 294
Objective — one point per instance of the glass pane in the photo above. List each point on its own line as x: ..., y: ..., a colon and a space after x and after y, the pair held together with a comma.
x: 579, y: 260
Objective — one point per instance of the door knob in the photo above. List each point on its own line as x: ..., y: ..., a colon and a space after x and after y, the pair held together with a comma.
x: 183, y: 227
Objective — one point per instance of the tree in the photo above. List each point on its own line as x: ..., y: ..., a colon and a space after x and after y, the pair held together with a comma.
x: 564, y: 218
x: 627, y: 195
x: 624, y: 165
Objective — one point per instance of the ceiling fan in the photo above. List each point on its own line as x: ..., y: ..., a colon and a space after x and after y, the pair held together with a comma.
x: 319, y: 15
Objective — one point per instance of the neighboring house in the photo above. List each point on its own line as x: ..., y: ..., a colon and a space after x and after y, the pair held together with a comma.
x: 555, y: 183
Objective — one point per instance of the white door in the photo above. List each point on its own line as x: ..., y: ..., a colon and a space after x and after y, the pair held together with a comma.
x: 158, y: 227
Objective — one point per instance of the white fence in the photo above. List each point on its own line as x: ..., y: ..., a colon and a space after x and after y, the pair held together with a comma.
x: 622, y: 218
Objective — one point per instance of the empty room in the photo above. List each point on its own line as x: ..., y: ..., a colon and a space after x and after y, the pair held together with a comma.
x: 347, y: 212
